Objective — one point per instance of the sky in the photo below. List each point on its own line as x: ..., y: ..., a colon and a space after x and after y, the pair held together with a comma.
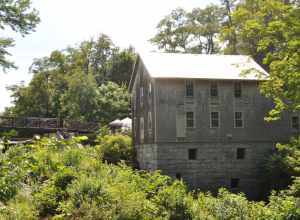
x: 68, y: 22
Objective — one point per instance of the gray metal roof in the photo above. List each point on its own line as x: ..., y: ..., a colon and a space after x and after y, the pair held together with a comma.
x: 200, y: 66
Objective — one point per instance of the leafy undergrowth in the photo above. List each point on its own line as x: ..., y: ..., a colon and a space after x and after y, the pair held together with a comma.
x: 62, y: 179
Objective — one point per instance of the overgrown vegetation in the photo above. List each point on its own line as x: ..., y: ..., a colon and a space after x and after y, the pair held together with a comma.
x: 63, y: 179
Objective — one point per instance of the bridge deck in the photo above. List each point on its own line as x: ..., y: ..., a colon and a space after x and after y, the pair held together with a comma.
x: 49, y: 124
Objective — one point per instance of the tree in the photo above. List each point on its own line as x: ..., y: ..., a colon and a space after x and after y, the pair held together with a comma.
x: 113, y: 102
x: 21, y: 18
x: 75, y: 83
x: 205, y: 25
x: 173, y: 35
x: 269, y: 32
x: 230, y: 36
x: 79, y: 99
x: 193, y: 32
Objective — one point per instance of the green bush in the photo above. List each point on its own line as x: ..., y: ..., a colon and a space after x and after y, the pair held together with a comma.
x: 62, y: 179
x: 116, y: 148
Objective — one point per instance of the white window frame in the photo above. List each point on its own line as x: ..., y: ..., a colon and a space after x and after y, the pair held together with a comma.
x: 186, y: 89
x: 235, y: 119
x: 219, y: 119
x: 194, y: 121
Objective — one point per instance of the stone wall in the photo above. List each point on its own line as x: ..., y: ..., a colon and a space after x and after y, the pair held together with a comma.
x: 147, y: 156
x: 214, y: 167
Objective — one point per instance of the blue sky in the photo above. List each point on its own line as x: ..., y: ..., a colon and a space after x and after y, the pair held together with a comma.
x: 66, y: 22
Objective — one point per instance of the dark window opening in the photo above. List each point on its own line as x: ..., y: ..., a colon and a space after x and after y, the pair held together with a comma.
x: 178, y: 176
x: 192, y: 154
x: 295, y: 122
x: 214, y: 116
x: 238, y: 119
x: 190, y: 119
x: 234, y: 183
x: 240, y: 153
x: 189, y: 86
x: 237, y: 90
x: 214, y: 90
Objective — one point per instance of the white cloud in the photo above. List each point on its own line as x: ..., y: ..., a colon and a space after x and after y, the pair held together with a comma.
x: 66, y: 22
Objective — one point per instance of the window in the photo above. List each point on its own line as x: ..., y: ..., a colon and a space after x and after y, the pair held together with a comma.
x: 150, y: 90
x: 214, y: 90
x: 237, y: 89
x: 149, y: 120
x: 238, y: 120
x: 141, y: 130
x: 234, y: 183
x: 178, y: 176
x: 133, y: 101
x: 192, y: 154
x: 189, y: 88
x: 142, y: 96
x: 295, y: 122
x: 134, y: 126
x: 214, y: 119
x: 190, y: 119
x: 240, y: 153
x: 149, y: 93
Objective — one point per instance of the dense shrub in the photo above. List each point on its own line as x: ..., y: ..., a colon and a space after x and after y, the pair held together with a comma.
x: 116, y: 148
x: 62, y: 179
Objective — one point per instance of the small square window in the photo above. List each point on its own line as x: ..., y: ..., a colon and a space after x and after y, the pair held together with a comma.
x: 192, y: 154
x: 189, y: 88
x: 237, y: 89
x: 240, y: 153
x: 238, y: 120
x: 178, y: 176
x: 234, y: 183
x: 295, y: 122
x: 214, y: 119
x: 190, y: 119
x: 214, y: 90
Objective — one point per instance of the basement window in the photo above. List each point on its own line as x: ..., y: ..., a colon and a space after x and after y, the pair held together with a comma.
x: 192, y: 154
x: 234, y: 183
x: 295, y: 122
x: 178, y: 176
x: 240, y: 153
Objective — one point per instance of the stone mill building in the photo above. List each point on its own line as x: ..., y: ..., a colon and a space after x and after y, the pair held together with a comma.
x: 200, y: 118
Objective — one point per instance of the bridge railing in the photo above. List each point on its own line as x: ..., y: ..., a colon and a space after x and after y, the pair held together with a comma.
x: 47, y: 123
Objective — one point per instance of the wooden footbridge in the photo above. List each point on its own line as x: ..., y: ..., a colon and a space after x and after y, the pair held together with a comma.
x: 47, y: 124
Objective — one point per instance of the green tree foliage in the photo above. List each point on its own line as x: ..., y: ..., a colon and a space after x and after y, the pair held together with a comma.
x: 87, y: 82
x: 190, y: 32
x: 269, y: 32
x: 19, y: 17
x: 112, y: 101
x: 63, y: 179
